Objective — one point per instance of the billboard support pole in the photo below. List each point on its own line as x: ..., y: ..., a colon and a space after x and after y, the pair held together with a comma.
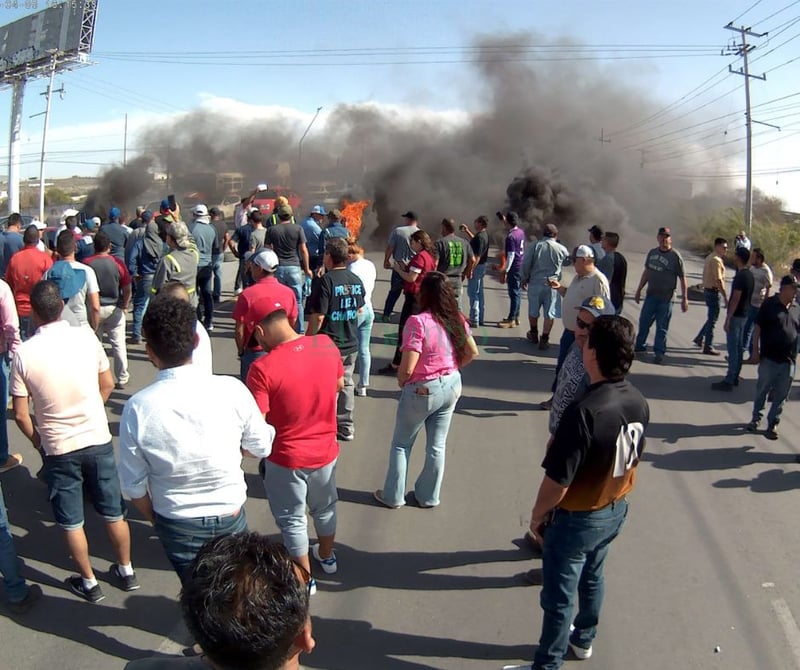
x: 44, y: 138
x: 18, y: 93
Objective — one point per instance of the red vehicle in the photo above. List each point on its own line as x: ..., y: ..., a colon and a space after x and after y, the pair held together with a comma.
x: 265, y: 200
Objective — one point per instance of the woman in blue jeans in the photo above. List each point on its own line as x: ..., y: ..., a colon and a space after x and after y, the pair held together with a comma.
x: 437, y: 343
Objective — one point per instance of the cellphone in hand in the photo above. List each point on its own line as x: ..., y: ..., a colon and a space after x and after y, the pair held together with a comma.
x: 173, y: 205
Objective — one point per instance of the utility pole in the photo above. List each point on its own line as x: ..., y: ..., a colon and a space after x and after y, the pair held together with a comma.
x: 602, y: 139
x: 300, y: 144
x: 14, y: 145
x: 743, y: 49
x: 49, y: 95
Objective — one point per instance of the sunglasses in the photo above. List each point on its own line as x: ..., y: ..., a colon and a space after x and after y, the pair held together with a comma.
x: 582, y: 324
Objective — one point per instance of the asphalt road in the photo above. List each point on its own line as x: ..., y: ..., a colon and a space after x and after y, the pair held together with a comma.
x: 707, y: 558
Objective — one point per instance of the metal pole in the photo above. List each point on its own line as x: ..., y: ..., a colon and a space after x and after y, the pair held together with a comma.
x: 748, y: 193
x: 44, y: 138
x: 14, y: 145
x: 125, y: 145
x: 300, y: 144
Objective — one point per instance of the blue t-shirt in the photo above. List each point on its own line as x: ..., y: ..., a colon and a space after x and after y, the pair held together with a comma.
x: 12, y: 243
x: 313, y: 231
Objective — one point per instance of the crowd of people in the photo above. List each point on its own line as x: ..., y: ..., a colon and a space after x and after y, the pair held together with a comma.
x: 303, y: 317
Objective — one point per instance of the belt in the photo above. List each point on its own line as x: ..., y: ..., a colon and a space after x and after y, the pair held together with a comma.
x: 584, y: 512
x: 716, y: 290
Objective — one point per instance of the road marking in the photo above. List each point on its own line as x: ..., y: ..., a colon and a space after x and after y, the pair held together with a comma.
x: 789, y: 625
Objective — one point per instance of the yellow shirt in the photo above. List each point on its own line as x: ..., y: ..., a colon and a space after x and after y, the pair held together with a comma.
x: 713, y: 272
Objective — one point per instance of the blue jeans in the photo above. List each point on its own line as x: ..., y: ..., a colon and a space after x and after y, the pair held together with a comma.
x: 395, y: 290
x: 247, y: 359
x: 364, y: 358
x: 777, y: 377
x: 290, y: 492
x: 216, y: 265
x: 141, y: 298
x: 660, y: 311
x: 241, y: 276
x: 91, y: 469
x: 293, y: 277
x: 430, y: 404
x: 575, y: 548
x: 5, y: 369
x: 205, y: 293
x: 514, y: 285
x: 16, y: 590
x: 706, y: 334
x: 749, y: 327
x: 182, y: 538
x: 735, y: 339
x: 475, y: 295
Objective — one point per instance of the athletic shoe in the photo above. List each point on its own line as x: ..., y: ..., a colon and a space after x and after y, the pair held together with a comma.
x: 129, y: 583
x: 329, y: 565
x: 311, y: 586
x: 378, y: 495
x: 752, y: 427
x: 361, y: 391
x: 506, y: 323
x: 580, y: 653
x: 22, y: 606
x: 210, y: 328
x: 533, y: 336
x: 771, y: 433
x: 13, y: 461
x: 708, y: 351
x: 93, y: 595
x: 238, y: 291
x: 345, y: 437
x: 698, y: 341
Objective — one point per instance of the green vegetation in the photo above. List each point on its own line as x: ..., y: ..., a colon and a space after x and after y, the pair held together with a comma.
x: 56, y: 196
x: 779, y: 240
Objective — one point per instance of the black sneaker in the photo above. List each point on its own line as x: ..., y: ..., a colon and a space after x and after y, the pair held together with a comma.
x: 129, y: 583
x: 771, y: 433
x: 752, y: 427
x: 93, y: 595
x: 698, y: 341
x: 22, y: 606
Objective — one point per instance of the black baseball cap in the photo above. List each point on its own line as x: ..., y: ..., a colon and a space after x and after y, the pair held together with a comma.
x: 410, y: 214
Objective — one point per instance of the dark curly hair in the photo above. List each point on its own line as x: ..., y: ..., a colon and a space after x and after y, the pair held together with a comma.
x: 436, y: 295
x: 169, y: 327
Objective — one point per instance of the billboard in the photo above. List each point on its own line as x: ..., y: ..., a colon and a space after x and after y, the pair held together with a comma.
x: 65, y: 29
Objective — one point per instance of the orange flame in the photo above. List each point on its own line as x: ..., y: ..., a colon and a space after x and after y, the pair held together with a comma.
x: 352, y: 213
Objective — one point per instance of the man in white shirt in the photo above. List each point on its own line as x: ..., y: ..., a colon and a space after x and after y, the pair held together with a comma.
x: 67, y: 373
x: 77, y: 283
x: 182, y: 440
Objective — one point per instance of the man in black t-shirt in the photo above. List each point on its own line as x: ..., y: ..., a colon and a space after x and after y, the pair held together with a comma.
x: 581, y: 505
x: 738, y: 306
x: 479, y: 242
x: 288, y: 241
x: 333, y: 308
x: 775, y: 343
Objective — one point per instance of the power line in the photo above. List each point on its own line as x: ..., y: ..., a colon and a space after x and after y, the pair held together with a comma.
x: 754, y: 5
x: 783, y: 9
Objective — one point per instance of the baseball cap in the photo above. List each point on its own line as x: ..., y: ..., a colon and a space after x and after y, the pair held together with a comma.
x: 70, y: 212
x: 113, y: 213
x: 285, y: 210
x: 200, y: 210
x: 165, y: 203
x: 665, y: 231
x: 262, y: 308
x: 583, y: 251
x: 318, y: 209
x: 596, y: 230
x: 410, y: 214
x: 265, y: 259
x: 180, y: 233
x: 147, y: 216
x: 788, y: 280
x: 597, y: 305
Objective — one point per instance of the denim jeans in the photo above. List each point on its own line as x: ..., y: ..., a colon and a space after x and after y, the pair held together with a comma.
x: 434, y: 410
x: 749, y: 327
x: 241, y: 276
x: 141, y: 297
x: 346, y: 400
x: 477, y: 312
x: 182, y: 538
x: 293, y: 277
x: 247, y: 358
x: 5, y: 369
x: 289, y: 492
x: 575, y: 548
x: 16, y: 590
x: 514, y: 285
x: 364, y: 358
x: 706, y: 334
x: 395, y: 290
x: 205, y: 294
x: 216, y: 266
x: 660, y: 311
x: 735, y: 339
x: 777, y: 377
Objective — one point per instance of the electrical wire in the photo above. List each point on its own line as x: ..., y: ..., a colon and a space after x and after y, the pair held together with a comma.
x: 753, y: 6
x: 780, y: 11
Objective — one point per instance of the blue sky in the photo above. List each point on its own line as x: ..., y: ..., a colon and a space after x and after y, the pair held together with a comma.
x: 87, y: 125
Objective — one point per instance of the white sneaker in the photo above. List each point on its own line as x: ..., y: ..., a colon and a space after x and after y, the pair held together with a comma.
x: 329, y: 565
x: 238, y: 291
x: 580, y: 653
x: 361, y: 391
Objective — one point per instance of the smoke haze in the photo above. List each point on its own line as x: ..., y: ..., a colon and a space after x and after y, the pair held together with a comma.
x: 531, y: 146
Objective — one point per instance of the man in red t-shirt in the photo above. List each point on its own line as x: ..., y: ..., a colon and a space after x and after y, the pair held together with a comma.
x: 24, y: 270
x: 296, y: 387
x: 263, y: 265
